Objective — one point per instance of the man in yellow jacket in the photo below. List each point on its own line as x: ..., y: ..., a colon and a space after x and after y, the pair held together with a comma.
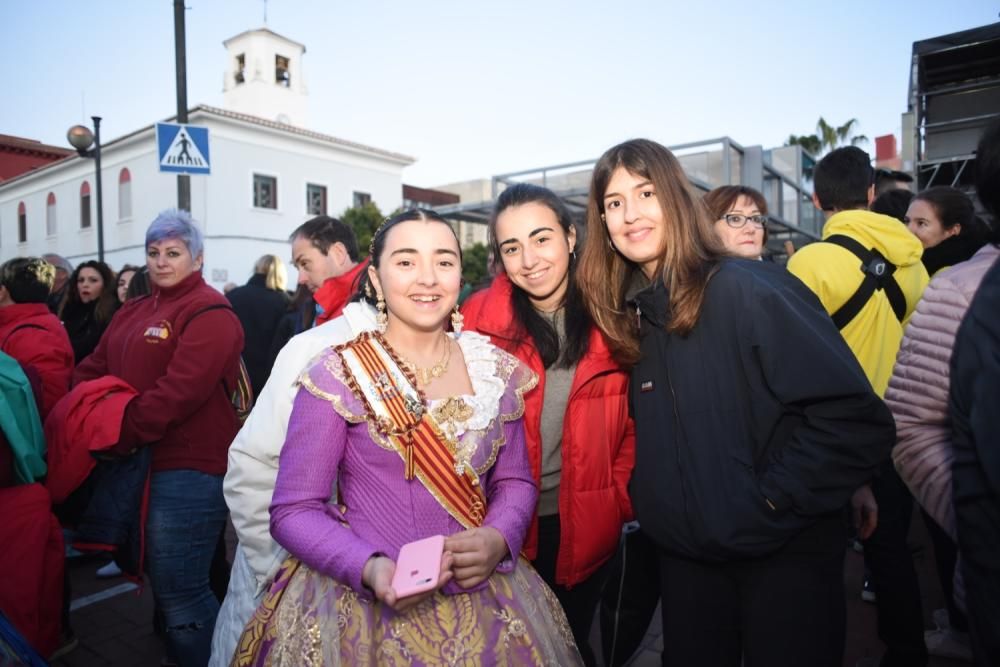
x: 844, y: 187
x: 860, y: 247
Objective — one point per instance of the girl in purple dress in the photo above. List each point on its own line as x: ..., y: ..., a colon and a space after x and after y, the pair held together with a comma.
x: 420, y: 433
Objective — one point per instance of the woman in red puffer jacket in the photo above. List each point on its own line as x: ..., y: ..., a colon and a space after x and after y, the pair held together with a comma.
x: 580, y: 438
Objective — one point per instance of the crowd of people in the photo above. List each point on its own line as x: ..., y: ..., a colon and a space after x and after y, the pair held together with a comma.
x: 651, y: 379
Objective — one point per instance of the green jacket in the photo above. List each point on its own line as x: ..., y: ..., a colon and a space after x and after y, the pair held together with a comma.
x: 20, y: 422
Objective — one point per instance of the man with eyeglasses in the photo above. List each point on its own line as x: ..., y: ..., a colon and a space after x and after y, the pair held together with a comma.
x: 867, y: 273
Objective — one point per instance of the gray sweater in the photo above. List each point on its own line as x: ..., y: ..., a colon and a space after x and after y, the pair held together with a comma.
x: 558, y: 382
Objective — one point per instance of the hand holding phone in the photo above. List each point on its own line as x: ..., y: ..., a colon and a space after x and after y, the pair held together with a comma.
x: 418, y: 567
x: 380, y: 572
x: 477, y: 552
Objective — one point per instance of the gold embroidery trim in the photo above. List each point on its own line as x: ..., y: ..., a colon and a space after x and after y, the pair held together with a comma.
x: 530, y: 382
x: 336, y: 401
x: 338, y: 404
x: 477, y: 500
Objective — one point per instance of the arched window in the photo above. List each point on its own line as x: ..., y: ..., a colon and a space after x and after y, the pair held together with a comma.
x: 85, y: 205
x: 22, y: 223
x: 50, y: 215
x: 124, y: 194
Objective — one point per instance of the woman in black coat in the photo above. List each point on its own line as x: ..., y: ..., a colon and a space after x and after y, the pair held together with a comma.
x: 260, y: 305
x: 90, y: 302
x: 754, y: 422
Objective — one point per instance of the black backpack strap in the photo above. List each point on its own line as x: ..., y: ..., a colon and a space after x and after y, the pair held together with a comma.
x: 18, y: 328
x: 214, y: 306
x: 878, y: 275
x: 242, y: 395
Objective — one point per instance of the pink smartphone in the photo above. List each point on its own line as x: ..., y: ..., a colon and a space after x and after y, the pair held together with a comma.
x: 418, y: 566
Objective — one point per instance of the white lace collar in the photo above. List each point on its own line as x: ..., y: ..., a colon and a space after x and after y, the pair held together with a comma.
x: 487, y: 387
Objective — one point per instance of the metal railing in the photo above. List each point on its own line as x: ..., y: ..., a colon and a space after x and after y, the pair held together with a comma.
x: 708, y: 164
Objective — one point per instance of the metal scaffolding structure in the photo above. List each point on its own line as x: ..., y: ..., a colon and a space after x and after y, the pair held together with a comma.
x: 954, y: 94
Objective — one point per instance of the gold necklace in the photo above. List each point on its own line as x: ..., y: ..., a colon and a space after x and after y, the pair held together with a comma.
x: 427, y: 375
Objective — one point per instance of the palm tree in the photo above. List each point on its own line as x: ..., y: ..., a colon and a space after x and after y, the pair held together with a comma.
x: 810, y: 143
x: 828, y: 137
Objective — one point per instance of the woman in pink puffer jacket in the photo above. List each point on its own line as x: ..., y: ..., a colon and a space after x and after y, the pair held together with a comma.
x: 918, y: 398
x: 918, y: 389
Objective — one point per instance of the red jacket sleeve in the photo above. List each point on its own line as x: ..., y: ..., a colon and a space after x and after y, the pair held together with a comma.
x: 207, y: 350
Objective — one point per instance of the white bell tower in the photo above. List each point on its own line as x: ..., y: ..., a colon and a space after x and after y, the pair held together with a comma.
x: 264, y: 77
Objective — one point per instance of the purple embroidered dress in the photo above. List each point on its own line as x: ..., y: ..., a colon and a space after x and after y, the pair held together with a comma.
x: 325, y: 616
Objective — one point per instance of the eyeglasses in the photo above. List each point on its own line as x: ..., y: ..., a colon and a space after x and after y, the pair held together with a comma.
x: 735, y: 220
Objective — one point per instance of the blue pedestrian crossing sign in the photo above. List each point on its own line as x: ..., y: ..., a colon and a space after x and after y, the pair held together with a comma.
x: 183, y: 149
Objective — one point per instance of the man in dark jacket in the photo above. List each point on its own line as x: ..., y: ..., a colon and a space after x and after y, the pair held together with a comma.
x: 973, y: 401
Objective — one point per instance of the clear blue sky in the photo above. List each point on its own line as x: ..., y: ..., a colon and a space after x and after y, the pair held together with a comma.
x: 473, y: 88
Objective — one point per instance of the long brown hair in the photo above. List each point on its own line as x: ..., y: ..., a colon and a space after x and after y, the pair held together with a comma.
x: 107, y: 302
x: 688, y: 258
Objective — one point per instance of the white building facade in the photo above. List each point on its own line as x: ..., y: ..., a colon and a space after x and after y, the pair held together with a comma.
x: 267, y: 177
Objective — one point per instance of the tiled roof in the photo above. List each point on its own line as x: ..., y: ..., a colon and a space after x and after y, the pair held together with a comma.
x: 20, y: 144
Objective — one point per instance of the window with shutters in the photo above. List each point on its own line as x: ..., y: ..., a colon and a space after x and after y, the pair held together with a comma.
x: 265, y: 191
x: 315, y: 199
x: 85, y: 205
x: 22, y: 223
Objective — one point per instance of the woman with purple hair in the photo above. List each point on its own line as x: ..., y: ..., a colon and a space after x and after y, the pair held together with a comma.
x: 179, y: 347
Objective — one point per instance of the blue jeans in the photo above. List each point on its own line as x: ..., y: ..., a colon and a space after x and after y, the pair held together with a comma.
x: 187, y: 513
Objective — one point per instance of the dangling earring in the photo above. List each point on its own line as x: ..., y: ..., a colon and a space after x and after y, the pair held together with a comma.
x: 368, y: 291
x: 457, y: 320
x: 572, y: 255
x: 381, y: 318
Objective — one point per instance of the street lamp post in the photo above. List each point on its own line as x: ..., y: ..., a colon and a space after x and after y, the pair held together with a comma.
x: 81, y: 138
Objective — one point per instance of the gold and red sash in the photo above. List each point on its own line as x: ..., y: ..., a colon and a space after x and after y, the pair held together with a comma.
x: 396, y: 406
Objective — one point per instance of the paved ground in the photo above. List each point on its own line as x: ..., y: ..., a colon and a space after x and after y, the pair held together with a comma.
x: 117, y: 631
